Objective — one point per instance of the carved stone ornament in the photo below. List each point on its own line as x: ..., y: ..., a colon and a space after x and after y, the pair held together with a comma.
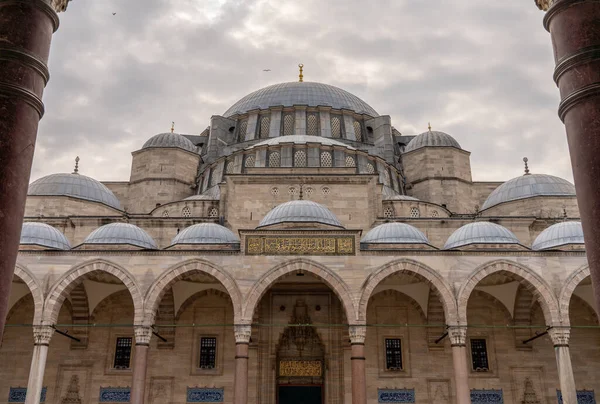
x: 544, y: 4
x: 242, y: 333
x: 358, y: 333
x: 529, y: 396
x: 142, y: 335
x: 458, y: 335
x: 72, y: 396
x: 42, y: 334
x: 560, y: 336
x: 60, y: 5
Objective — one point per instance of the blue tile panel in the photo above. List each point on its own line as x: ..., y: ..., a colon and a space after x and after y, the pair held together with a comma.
x: 486, y: 397
x: 203, y: 395
x: 17, y: 394
x: 583, y: 397
x: 396, y: 395
x: 114, y: 394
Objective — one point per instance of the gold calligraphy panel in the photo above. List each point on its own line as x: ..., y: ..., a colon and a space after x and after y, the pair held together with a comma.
x: 278, y: 245
x: 300, y: 368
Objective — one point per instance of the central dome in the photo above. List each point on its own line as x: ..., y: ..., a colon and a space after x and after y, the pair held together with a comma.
x: 297, y: 93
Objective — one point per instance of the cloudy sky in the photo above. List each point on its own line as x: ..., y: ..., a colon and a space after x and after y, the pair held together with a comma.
x: 481, y: 71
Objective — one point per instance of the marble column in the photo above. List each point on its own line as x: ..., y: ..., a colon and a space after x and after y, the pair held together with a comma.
x: 41, y: 339
x: 560, y: 339
x: 26, y: 29
x: 458, y: 342
x: 242, y: 343
x: 358, y: 334
x: 573, y: 27
x: 140, y: 363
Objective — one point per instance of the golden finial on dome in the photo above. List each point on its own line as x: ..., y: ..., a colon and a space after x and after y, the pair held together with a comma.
x: 301, y: 76
x: 525, y: 160
x: 429, y: 126
x: 76, y: 170
x: 172, y: 127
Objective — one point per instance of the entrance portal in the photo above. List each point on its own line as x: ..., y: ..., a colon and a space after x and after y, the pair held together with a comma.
x: 300, y: 395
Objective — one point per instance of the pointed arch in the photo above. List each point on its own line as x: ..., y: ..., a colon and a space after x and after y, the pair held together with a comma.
x: 73, y: 277
x: 437, y: 283
x: 330, y: 278
x: 36, y: 291
x: 567, y: 290
x: 531, y: 280
x: 177, y: 272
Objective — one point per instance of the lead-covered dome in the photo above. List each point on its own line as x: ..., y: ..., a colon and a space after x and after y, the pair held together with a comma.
x: 558, y: 235
x: 395, y: 233
x: 205, y: 233
x: 76, y: 186
x: 431, y: 138
x: 43, y: 235
x: 480, y: 233
x: 300, y: 93
x: 121, y: 233
x: 169, y: 140
x: 529, y: 186
x: 300, y: 212
x: 301, y: 139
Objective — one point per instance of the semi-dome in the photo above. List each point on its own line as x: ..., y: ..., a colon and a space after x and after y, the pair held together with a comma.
x: 528, y: 186
x: 205, y: 233
x: 121, y: 233
x: 300, y: 93
x: 43, y: 235
x: 395, y: 233
x: 559, y: 234
x: 431, y: 138
x: 480, y: 233
x: 299, y: 212
x: 76, y: 186
x: 166, y: 140
x: 301, y: 139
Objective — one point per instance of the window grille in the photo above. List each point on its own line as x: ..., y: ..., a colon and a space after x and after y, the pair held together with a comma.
x: 336, y: 127
x: 123, y: 353
x: 479, y: 355
x: 350, y: 161
x: 288, y: 125
x: 229, y: 167
x: 186, y: 212
x: 214, y: 212
x: 388, y: 212
x: 300, y: 158
x: 370, y: 168
x: 292, y: 191
x: 435, y: 214
x: 166, y: 213
x: 208, y: 352
x: 386, y: 177
x: 242, y: 130
x: 312, y: 125
x: 275, y: 191
x: 414, y: 212
x: 393, y: 354
x: 249, y: 161
x: 326, y: 191
x: 326, y: 160
x: 358, y: 131
x: 309, y: 191
x: 265, y: 125
x: 274, y: 159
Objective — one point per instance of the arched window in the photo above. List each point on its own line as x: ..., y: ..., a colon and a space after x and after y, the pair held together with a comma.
x: 265, y: 126
x: 274, y: 159
x: 166, y: 213
x: 300, y: 158
x: 229, y: 167
x: 414, y: 212
x: 249, y: 160
x: 186, y: 212
x: 243, y: 126
x: 326, y: 160
x: 388, y: 212
x: 435, y: 214
x: 358, y: 131
x: 336, y: 127
x: 214, y: 179
x: 288, y: 124
x: 312, y: 124
x: 370, y: 168
x: 214, y: 212
x: 350, y: 161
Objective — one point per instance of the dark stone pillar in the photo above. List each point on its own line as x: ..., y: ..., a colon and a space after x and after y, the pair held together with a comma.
x: 574, y: 26
x: 26, y: 28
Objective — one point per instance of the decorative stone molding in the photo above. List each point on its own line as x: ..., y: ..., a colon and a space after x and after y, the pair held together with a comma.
x: 458, y: 335
x: 42, y: 334
x: 544, y: 5
x: 358, y: 333
x: 242, y: 333
x: 142, y: 335
x: 560, y: 336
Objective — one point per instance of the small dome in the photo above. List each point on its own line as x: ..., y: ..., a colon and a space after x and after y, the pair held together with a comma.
x: 170, y: 140
x: 400, y: 198
x: 44, y: 235
x: 528, y: 186
x: 558, y: 235
x: 76, y: 186
x: 431, y: 138
x: 300, y: 211
x: 395, y: 233
x: 301, y: 139
x: 121, y: 233
x: 205, y: 233
x: 480, y: 233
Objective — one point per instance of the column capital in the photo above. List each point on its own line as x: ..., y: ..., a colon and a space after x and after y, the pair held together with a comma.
x: 60, y: 5
x: 560, y: 336
x: 242, y: 333
x: 42, y: 334
x: 358, y: 333
x: 544, y: 5
x: 458, y: 335
x: 142, y: 334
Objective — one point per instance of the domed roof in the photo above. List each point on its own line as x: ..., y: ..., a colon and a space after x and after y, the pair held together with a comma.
x: 301, y: 139
x: 400, y: 198
x: 76, y: 186
x: 205, y: 233
x: 170, y: 140
x: 121, y: 233
x: 300, y: 93
x: 395, y: 233
x: 42, y: 234
x: 528, y: 186
x: 480, y: 233
x: 431, y: 138
x: 559, y: 234
x: 300, y: 211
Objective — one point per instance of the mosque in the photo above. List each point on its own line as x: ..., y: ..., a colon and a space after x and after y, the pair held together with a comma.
x: 300, y: 249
